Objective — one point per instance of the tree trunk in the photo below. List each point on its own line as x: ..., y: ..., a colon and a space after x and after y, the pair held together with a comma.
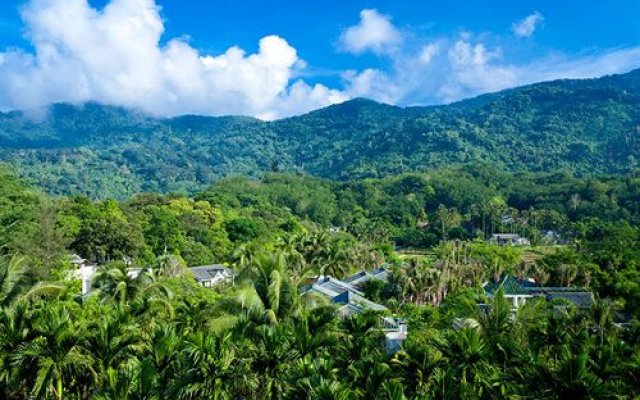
x: 59, y: 388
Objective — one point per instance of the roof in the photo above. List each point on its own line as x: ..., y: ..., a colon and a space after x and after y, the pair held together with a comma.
x: 76, y: 259
x: 581, y: 297
x: 344, y: 293
x: 357, y: 278
x: 333, y: 287
x: 381, y: 273
x: 357, y: 300
x: 209, y: 272
x: 511, y: 285
x: 506, y: 236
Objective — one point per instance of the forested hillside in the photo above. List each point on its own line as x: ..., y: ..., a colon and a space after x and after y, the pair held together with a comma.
x: 159, y: 335
x: 581, y: 126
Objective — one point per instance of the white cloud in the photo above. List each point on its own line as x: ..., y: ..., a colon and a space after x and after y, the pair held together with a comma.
x: 527, y: 26
x: 374, y: 32
x: 427, y: 52
x: 374, y: 84
x: 113, y: 56
x: 465, y: 67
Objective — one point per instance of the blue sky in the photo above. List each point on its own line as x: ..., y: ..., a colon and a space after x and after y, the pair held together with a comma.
x: 168, y: 58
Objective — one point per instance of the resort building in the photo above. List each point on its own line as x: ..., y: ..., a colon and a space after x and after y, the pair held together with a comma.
x: 519, y: 290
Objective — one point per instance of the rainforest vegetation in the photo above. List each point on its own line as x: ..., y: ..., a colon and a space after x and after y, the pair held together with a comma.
x: 161, y: 336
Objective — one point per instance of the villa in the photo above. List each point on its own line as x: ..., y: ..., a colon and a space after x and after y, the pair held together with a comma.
x: 519, y: 290
x: 346, y: 294
x: 211, y: 275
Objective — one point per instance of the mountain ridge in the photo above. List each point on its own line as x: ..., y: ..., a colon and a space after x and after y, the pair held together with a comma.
x: 581, y: 126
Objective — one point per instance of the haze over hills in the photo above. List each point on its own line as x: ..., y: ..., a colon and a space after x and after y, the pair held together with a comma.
x: 581, y: 126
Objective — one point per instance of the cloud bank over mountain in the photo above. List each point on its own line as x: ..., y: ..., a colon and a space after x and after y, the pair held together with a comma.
x: 117, y: 55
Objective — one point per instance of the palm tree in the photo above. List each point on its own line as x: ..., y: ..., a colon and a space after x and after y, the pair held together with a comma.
x: 467, y: 358
x: 573, y: 379
x: 170, y: 265
x: 331, y: 390
x: 309, y: 339
x: 273, y: 353
x: 603, y: 312
x: 392, y: 390
x: 292, y: 246
x: 56, y: 353
x: 12, y: 279
x: 113, y: 341
x: 449, y: 218
x: 568, y: 273
x: 212, y: 369
x: 115, y: 282
x: 334, y: 261
x: 15, y: 287
x: 133, y: 381
x: 265, y: 295
x: 15, y: 330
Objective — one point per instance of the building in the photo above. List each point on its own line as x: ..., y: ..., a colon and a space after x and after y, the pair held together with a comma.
x: 519, y: 290
x: 84, y: 271
x: 510, y: 239
x: 346, y: 294
x: 212, y: 275
x: 359, y: 279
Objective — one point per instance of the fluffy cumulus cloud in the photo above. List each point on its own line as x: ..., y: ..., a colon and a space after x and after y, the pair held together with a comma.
x: 527, y: 26
x: 374, y: 32
x: 114, y: 56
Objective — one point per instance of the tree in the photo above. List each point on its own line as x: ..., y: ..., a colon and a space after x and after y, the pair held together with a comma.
x: 264, y: 294
x: 56, y: 353
x: 115, y: 282
x: 213, y: 370
x: 448, y: 218
x: 108, y: 236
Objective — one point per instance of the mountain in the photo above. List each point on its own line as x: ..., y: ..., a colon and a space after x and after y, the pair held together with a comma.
x: 585, y: 127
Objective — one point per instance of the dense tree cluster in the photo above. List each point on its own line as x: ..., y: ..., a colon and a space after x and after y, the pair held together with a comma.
x: 158, y: 335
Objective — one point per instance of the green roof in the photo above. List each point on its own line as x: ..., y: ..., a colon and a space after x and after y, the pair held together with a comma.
x: 516, y: 286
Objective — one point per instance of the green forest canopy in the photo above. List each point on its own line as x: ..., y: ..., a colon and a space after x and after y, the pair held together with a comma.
x: 579, y: 126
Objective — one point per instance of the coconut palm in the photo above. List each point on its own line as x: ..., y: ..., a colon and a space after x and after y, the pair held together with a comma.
x: 471, y: 374
x: 273, y: 353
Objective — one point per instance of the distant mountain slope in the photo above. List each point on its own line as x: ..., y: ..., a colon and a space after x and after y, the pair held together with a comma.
x: 583, y: 126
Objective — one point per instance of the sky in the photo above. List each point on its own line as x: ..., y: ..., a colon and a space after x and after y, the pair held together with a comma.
x: 272, y: 59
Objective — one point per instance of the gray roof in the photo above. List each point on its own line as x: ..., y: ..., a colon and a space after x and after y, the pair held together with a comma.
x: 344, y: 293
x: 361, y: 277
x: 580, y: 299
x: 208, y: 272
x: 358, y: 301
x: 333, y: 287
